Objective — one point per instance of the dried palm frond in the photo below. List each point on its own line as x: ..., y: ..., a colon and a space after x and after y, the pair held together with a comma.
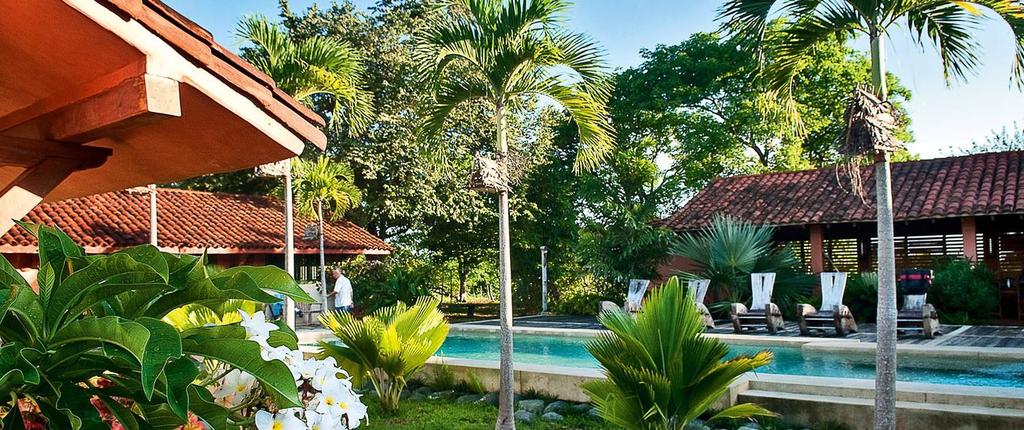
x: 870, y: 126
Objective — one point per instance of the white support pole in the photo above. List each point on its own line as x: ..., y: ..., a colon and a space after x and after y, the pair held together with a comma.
x: 289, y: 244
x: 544, y: 279
x: 152, y: 216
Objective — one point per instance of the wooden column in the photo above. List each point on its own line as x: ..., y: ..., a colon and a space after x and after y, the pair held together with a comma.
x: 817, y: 248
x: 969, y: 228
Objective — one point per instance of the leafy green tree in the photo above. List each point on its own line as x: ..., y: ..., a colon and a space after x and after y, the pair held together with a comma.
x: 1007, y: 139
x: 948, y: 25
x: 503, y: 54
x: 388, y: 346
x: 101, y: 316
x: 324, y: 187
x: 661, y: 371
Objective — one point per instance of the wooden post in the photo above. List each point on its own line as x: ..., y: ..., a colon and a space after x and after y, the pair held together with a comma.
x: 817, y: 248
x: 969, y: 228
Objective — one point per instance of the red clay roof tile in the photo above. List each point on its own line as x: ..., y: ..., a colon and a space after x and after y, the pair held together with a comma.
x: 187, y: 220
x: 975, y: 185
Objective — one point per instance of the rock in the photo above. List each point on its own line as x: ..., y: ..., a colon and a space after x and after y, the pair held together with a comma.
x: 533, y: 406
x: 404, y: 395
x: 697, y: 424
x: 525, y: 416
x: 750, y: 426
x: 593, y: 413
x: 557, y: 406
x: 417, y: 397
x: 489, y: 399
x: 443, y: 395
x: 468, y: 398
x: 579, y: 408
x: 424, y: 390
x: 552, y: 416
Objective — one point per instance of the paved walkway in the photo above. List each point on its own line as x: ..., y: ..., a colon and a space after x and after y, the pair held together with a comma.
x: 952, y: 335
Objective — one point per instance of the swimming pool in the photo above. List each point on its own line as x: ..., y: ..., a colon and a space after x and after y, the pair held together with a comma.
x: 570, y: 352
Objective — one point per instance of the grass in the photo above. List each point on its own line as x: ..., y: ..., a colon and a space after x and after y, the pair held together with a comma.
x: 448, y: 415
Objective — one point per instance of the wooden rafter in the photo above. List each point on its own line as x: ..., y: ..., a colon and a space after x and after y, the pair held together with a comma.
x: 15, y: 151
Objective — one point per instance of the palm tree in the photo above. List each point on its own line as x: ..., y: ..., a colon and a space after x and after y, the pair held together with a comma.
x: 949, y: 25
x: 501, y: 53
x: 314, y: 71
x: 325, y: 186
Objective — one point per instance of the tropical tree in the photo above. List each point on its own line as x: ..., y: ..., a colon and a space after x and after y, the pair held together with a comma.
x: 662, y: 372
x: 950, y: 26
x: 503, y: 54
x: 324, y: 187
x: 388, y: 346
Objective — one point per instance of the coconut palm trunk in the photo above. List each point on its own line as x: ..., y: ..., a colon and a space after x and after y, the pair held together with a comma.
x: 885, y: 358
x: 506, y: 418
x: 323, y: 261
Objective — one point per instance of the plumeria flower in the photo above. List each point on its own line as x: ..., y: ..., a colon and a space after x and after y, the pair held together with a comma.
x: 279, y: 353
x: 326, y: 378
x: 234, y: 387
x: 318, y: 421
x: 339, y: 401
x: 257, y: 328
x: 282, y: 420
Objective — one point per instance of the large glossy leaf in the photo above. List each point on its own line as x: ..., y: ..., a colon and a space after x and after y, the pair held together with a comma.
x: 150, y: 256
x: 203, y: 406
x: 75, y: 405
x: 9, y: 275
x: 16, y: 366
x: 55, y: 249
x: 123, y: 415
x: 268, y: 278
x: 114, y: 275
x: 24, y: 303
x: 179, y: 376
x: 164, y: 345
x: 245, y: 355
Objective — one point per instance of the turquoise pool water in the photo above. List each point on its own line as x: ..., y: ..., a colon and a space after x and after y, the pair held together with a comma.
x: 571, y: 352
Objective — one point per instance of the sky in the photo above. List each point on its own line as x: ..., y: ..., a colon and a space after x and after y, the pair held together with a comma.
x: 944, y: 117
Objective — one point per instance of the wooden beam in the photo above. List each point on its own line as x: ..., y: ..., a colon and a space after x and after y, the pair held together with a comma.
x: 969, y: 229
x: 15, y: 151
x: 27, y: 190
x: 817, y: 239
x: 126, y: 97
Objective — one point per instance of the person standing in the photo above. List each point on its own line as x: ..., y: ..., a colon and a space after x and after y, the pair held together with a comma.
x: 342, y: 292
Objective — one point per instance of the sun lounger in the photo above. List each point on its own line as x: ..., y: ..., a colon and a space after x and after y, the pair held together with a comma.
x: 833, y: 315
x: 762, y: 312
x: 916, y: 313
x: 698, y: 289
x: 634, y: 297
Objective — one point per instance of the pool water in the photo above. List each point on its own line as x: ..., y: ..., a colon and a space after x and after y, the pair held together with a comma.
x: 571, y: 352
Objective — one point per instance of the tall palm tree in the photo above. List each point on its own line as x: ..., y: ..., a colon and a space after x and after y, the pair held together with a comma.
x: 950, y: 25
x: 501, y: 53
x: 324, y: 187
x: 315, y: 71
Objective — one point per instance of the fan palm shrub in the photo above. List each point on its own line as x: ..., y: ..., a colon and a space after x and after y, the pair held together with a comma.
x: 728, y: 250
x: 94, y: 332
x: 388, y: 346
x: 661, y: 371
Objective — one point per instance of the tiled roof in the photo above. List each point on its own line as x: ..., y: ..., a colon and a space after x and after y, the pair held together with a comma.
x: 974, y: 185
x: 188, y: 221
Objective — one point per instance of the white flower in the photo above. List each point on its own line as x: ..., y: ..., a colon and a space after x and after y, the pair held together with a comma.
x: 234, y: 387
x: 318, y: 421
x: 326, y: 377
x: 257, y: 328
x: 279, y: 353
x: 283, y: 420
x: 339, y: 401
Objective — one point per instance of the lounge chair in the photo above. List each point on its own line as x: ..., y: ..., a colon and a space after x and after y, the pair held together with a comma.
x: 634, y: 297
x: 833, y: 314
x: 916, y: 314
x: 698, y: 288
x: 762, y: 312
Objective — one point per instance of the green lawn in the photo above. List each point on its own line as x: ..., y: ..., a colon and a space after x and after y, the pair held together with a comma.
x: 448, y: 415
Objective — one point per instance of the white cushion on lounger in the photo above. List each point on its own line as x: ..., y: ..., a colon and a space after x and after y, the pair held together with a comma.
x: 761, y: 286
x: 833, y: 286
x: 698, y: 288
x: 637, y: 289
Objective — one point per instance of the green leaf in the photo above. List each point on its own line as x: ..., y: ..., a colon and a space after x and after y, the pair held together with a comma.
x: 245, y: 355
x: 163, y: 345
x: 112, y: 275
x: 150, y: 256
x: 160, y: 416
x: 179, y: 376
x: 74, y: 403
x: 270, y: 278
x: 16, y: 366
x: 46, y: 278
x: 743, y: 410
x: 55, y: 249
x: 203, y: 406
x: 10, y: 276
x: 122, y: 414
x: 23, y: 302
x: 14, y: 420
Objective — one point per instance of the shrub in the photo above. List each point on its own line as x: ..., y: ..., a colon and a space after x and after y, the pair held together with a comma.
x: 661, y: 372
x: 93, y: 334
x: 581, y: 296
x: 729, y: 250
x: 862, y: 296
x: 964, y: 292
x: 379, y: 284
x: 388, y: 346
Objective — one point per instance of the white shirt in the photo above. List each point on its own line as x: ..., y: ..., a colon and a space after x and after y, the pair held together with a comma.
x: 342, y: 292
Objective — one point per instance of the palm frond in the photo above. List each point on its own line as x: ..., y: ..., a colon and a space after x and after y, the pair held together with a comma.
x: 325, y: 182
x: 1012, y: 13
